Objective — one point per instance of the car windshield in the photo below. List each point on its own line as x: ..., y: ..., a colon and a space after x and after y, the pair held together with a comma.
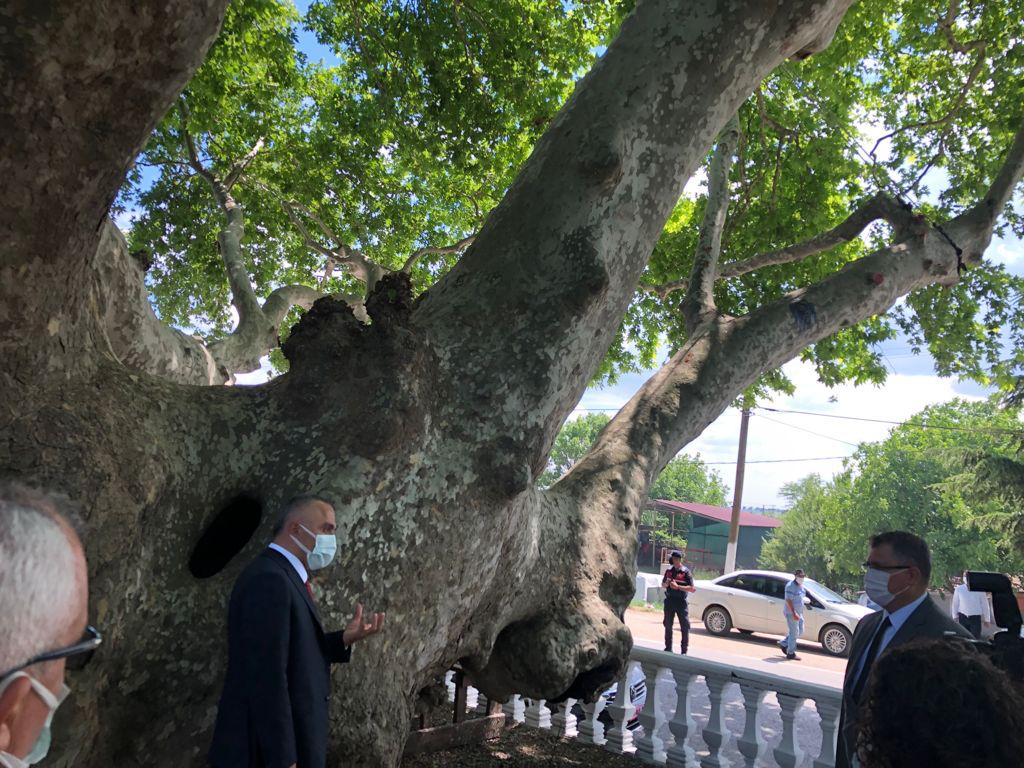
x: 822, y: 592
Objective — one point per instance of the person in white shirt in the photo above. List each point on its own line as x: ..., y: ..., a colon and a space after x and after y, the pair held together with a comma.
x: 971, y: 609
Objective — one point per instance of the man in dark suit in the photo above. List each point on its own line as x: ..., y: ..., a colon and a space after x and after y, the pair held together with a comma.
x: 897, y: 572
x: 274, y: 708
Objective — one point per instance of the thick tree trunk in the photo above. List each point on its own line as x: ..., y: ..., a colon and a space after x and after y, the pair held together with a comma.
x: 426, y: 426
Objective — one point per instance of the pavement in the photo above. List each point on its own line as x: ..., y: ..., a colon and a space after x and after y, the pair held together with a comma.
x: 758, y: 652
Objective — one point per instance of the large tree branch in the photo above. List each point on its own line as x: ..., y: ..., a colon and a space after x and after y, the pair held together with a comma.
x: 877, y: 207
x: 536, y: 299
x: 243, y: 296
x: 66, y: 145
x: 336, y: 252
x: 726, y: 355
x: 946, y: 24
x: 141, y: 341
x: 240, y: 167
x: 458, y: 247
x: 699, y: 302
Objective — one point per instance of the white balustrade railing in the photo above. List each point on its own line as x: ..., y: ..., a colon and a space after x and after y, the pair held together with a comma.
x: 668, y: 733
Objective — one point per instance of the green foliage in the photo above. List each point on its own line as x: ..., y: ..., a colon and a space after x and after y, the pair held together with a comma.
x: 920, y: 479
x: 687, y: 478
x: 572, y: 443
x: 407, y: 141
x: 412, y: 134
x: 799, y: 542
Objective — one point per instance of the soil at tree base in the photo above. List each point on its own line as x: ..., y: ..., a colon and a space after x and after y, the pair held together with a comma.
x: 521, y: 745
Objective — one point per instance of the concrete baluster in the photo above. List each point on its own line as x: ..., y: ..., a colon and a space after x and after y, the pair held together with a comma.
x: 716, y: 733
x: 682, y: 724
x: 563, y: 721
x: 619, y: 737
x: 514, y: 709
x: 828, y: 711
x: 537, y: 715
x: 591, y: 730
x: 751, y: 744
x: 649, y: 747
x: 788, y: 753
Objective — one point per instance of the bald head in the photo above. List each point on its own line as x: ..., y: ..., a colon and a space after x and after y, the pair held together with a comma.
x: 43, y: 576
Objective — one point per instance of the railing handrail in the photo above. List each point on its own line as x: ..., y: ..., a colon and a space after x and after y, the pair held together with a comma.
x: 697, y: 666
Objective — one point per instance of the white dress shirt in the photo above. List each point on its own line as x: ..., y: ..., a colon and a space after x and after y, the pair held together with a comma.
x: 296, y: 563
x: 970, y: 603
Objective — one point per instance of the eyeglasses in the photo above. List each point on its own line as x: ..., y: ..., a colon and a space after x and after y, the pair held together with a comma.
x: 77, y: 655
x: 865, y: 566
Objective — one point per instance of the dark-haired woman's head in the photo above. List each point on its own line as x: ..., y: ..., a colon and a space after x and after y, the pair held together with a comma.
x: 941, y: 704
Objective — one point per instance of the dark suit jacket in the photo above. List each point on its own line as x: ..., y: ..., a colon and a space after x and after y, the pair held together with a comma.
x: 273, y: 711
x: 927, y: 621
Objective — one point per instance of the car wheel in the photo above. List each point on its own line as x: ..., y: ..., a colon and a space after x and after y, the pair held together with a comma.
x: 836, y: 640
x: 717, y: 620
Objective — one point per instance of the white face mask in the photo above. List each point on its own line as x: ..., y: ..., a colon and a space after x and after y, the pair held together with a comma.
x: 876, y: 584
x: 42, y: 746
x: 800, y: 580
x: 322, y: 553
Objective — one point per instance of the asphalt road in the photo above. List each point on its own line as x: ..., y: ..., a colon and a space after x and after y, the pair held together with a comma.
x: 757, y: 651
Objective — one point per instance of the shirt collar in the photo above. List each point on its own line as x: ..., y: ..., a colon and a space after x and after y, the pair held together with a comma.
x: 296, y: 563
x: 898, y: 617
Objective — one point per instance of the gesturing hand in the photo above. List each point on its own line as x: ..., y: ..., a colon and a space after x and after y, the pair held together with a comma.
x: 357, y: 629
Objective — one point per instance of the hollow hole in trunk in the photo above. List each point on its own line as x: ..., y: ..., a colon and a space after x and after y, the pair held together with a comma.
x: 225, y: 535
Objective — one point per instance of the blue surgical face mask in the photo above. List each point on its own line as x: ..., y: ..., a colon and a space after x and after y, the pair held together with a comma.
x: 322, y: 553
x: 876, y: 584
x: 42, y: 746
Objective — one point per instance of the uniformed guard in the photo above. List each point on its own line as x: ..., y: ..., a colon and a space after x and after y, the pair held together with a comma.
x: 678, y: 583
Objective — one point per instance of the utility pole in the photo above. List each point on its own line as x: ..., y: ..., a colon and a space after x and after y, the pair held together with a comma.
x: 737, y: 496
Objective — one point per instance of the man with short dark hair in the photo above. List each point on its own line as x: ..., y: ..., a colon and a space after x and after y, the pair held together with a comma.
x: 677, y: 583
x: 274, y: 708
x: 43, y: 608
x: 897, y: 571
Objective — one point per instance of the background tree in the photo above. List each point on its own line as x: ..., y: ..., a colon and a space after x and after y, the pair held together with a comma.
x: 919, y: 479
x: 429, y: 418
x: 800, y: 541
x: 575, y: 438
x: 684, y: 478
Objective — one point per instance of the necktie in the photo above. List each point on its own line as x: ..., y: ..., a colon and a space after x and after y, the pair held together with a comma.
x: 869, y: 658
x: 309, y: 588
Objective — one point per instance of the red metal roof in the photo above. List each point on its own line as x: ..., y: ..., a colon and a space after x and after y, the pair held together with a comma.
x: 721, y: 514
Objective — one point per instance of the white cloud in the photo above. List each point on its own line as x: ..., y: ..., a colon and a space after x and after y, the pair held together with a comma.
x: 774, y: 436
x: 697, y: 184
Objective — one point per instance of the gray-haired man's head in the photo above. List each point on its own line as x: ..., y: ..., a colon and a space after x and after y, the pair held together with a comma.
x: 43, y: 602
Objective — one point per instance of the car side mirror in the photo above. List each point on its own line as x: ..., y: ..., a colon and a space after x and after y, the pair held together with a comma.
x: 808, y: 603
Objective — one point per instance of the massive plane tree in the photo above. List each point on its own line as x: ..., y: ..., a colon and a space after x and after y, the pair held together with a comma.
x: 429, y: 371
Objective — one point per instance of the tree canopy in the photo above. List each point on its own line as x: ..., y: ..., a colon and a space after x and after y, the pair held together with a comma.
x: 392, y: 154
x: 920, y: 479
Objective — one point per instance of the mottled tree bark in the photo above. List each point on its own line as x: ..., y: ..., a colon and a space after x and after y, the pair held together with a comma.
x: 427, y: 425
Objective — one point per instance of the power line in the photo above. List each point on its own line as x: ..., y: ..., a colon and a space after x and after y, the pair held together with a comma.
x: 782, y: 461
x: 809, y: 431
x: 919, y: 425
